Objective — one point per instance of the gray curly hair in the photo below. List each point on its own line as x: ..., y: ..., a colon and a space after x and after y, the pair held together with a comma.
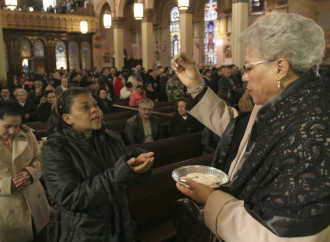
x: 297, y: 39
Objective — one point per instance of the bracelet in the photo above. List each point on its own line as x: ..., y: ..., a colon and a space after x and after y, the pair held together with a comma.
x: 196, y: 89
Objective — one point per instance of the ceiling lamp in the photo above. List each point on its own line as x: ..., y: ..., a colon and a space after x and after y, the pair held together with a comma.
x: 11, y: 4
x: 107, y: 20
x: 183, y: 4
x: 83, y: 27
x: 138, y: 10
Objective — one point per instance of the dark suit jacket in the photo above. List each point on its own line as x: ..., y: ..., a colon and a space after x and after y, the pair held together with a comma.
x: 135, y: 132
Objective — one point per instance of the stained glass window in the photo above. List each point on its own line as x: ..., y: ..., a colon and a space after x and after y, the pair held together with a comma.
x: 38, y: 48
x: 60, y: 53
x: 73, y: 55
x: 25, y: 48
x: 210, y: 25
x: 175, y: 31
x: 86, y: 59
x: 6, y: 56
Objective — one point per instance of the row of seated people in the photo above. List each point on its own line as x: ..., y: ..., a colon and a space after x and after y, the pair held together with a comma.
x: 20, y: 184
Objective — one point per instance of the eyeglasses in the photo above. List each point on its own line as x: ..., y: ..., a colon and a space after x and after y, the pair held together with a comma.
x: 247, y: 69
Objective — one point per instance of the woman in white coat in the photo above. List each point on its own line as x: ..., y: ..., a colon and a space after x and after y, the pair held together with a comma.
x: 24, y: 209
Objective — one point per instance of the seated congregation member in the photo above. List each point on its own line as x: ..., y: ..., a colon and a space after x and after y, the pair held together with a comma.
x: 118, y: 84
x: 64, y: 86
x: 137, y: 96
x: 151, y: 93
x: 87, y: 172
x: 45, y: 108
x: 104, y: 104
x: 183, y: 123
x: 5, y: 94
x: 22, y: 197
x: 28, y: 108
x: 245, y: 103
x: 37, y: 93
x: 174, y: 89
x: 126, y: 91
x: 143, y: 127
x: 278, y: 187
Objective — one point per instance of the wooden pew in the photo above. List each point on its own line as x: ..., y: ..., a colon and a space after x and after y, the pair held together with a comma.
x: 173, y: 149
x: 153, y: 201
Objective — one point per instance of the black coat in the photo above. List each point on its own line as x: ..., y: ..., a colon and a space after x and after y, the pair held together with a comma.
x: 135, y: 132
x: 179, y: 126
x: 31, y: 109
x: 44, y: 111
x: 105, y: 105
x: 87, y: 183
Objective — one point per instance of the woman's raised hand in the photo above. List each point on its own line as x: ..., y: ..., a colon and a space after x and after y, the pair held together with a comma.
x: 186, y: 70
x: 142, y: 163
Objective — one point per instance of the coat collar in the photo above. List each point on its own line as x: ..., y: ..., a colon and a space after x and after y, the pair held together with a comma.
x: 20, y: 142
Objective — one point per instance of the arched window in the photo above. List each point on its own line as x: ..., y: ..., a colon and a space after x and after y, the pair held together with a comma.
x: 210, y: 25
x: 38, y: 48
x: 175, y: 32
x: 86, y: 59
x: 25, y: 47
x: 60, y: 53
x: 73, y: 55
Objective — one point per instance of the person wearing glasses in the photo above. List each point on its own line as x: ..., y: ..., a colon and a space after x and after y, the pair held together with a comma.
x: 87, y: 172
x: 279, y: 183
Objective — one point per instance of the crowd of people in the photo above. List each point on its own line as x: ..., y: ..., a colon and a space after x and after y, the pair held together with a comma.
x: 270, y: 134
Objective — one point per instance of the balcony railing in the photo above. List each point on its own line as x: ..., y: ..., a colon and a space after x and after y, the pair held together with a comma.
x: 46, y: 21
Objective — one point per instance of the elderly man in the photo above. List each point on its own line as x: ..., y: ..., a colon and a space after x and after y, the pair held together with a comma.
x: 143, y: 127
x: 61, y: 88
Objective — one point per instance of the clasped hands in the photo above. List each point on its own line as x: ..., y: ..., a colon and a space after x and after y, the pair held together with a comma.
x: 142, y: 163
x: 20, y: 180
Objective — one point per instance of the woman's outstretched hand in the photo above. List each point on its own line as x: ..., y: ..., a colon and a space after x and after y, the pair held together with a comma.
x: 196, y: 191
x: 142, y: 163
x: 186, y: 70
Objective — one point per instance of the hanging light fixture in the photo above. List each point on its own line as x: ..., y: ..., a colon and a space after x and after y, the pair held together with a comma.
x: 107, y: 20
x: 83, y: 27
x: 183, y: 4
x: 11, y: 4
x: 138, y: 10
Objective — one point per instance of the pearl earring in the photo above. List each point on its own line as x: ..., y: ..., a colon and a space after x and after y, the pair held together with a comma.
x: 278, y: 84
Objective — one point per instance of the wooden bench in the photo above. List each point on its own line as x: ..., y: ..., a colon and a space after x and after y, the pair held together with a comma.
x: 153, y: 201
x: 173, y: 149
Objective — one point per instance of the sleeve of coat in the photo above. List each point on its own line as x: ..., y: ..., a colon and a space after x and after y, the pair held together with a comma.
x: 227, y: 218
x: 69, y: 190
x: 130, y: 133
x: 5, y: 186
x: 35, y: 167
x: 216, y: 116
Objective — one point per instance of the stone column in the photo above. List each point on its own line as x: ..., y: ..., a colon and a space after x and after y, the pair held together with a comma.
x: 240, y: 14
x: 3, y: 72
x: 147, y: 34
x: 118, y: 35
x: 186, y: 32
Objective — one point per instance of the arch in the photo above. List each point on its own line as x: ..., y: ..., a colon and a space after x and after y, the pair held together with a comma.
x: 100, y: 4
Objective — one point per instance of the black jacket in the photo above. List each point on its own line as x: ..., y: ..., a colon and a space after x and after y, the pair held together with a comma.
x: 179, y: 126
x: 105, y: 105
x: 135, y: 132
x: 44, y: 111
x: 87, y: 183
x: 31, y: 109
